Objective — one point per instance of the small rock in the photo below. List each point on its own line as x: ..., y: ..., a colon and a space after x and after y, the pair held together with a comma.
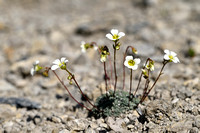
x: 20, y: 103
x: 56, y: 37
x: 90, y: 130
x: 65, y: 131
x: 84, y: 30
x: 49, y: 83
x: 78, y: 124
x: 130, y: 126
x: 117, y: 126
x: 56, y: 119
x: 5, y: 86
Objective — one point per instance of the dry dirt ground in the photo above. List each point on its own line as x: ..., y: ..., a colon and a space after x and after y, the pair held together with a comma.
x: 47, y: 29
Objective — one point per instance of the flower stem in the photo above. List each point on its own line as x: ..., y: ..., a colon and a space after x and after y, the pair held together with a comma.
x: 73, y: 77
x: 140, y: 78
x: 106, y: 77
x: 146, y: 94
x: 124, y: 65
x: 69, y: 92
x: 115, y: 71
x: 130, y: 84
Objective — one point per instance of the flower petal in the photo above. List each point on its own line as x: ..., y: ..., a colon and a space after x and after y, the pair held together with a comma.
x: 173, y: 53
x: 137, y: 61
x: 167, y: 51
x: 32, y: 71
x: 114, y: 31
x: 176, y: 60
x: 129, y: 58
x: 126, y: 63
x: 54, y: 67
x: 57, y: 62
x: 109, y: 36
x: 121, y: 34
x: 62, y: 59
x: 37, y: 62
x: 66, y: 61
x: 166, y: 57
x: 82, y: 42
x: 134, y: 67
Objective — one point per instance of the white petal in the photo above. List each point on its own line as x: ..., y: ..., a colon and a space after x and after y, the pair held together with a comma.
x: 166, y: 57
x: 32, y: 71
x: 82, y: 42
x: 109, y: 36
x: 176, y: 60
x: 167, y: 51
x: 134, y: 67
x: 114, y: 31
x: 66, y: 61
x: 37, y: 62
x: 152, y: 68
x: 129, y: 58
x: 103, y: 59
x: 126, y: 63
x: 54, y: 67
x: 137, y: 61
x: 83, y: 50
x: 173, y: 53
x: 121, y: 34
x: 57, y: 62
x: 95, y: 48
x: 62, y: 59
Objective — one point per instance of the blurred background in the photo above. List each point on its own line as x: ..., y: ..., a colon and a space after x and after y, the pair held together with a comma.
x: 49, y: 29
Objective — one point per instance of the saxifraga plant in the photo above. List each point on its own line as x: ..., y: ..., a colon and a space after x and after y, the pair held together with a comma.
x: 113, y: 102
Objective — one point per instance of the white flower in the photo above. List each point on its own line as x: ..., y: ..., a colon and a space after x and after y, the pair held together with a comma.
x: 83, y: 48
x: 130, y: 63
x: 150, y: 65
x: 59, y: 64
x: 115, y: 35
x: 171, y: 56
x: 35, y: 68
x: 103, y: 58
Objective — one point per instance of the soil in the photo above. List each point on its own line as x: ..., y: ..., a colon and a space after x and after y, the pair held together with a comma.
x: 46, y: 30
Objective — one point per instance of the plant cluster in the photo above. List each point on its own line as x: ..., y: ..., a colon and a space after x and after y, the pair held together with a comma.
x: 113, y: 102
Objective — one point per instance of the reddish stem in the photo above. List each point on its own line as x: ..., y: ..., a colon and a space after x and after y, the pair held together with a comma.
x: 73, y: 77
x: 144, y: 96
x: 124, y: 65
x: 69, y: 92
x: 106, y: 77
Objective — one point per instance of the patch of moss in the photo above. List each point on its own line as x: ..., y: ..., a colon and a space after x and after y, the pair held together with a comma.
x: 114, y: 105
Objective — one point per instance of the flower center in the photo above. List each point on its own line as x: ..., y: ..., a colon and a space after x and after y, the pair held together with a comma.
x: 38, y: 68
x: 62, y: 65
x: 86, y: 46
x: 171, y: 57
x: 131, y: 62
x: 115, y: 36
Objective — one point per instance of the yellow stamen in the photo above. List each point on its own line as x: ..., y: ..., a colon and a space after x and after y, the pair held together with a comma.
x: 131, y: 62
x: 115, y: 36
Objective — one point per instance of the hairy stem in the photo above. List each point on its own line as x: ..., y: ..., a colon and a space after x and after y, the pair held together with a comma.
x: 69, y: 92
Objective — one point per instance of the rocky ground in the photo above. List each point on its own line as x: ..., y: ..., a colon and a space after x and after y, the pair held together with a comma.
x: 46, y: 30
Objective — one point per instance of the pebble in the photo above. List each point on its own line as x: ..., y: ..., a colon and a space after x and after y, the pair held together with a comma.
x: 20, y: 102
x: 116, y: 125
x: 5, y: 86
